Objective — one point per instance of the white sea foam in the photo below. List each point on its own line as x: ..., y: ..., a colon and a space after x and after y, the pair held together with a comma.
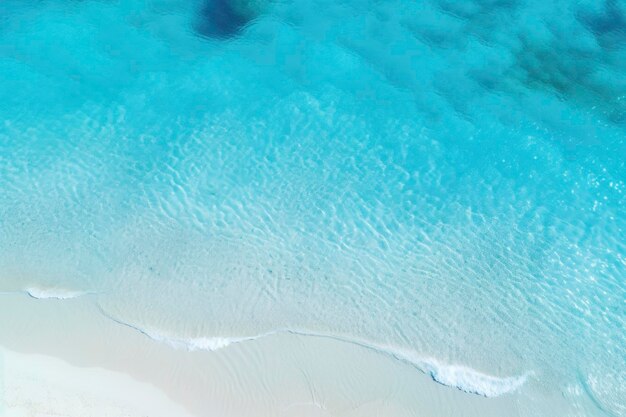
x: 457, y: 376
x: 53, y: 293
x: 474, y: 382
x: 185, y: 343
x: 196, y: 343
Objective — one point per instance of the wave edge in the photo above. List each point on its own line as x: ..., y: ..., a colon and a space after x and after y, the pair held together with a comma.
x: 461, y: 377
x: 53, y: 293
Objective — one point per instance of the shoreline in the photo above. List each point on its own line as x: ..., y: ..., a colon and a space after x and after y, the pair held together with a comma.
x: 285, y: 375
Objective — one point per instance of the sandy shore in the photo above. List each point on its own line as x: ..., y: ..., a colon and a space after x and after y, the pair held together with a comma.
x: 37, y: 385
x: 64, y: 358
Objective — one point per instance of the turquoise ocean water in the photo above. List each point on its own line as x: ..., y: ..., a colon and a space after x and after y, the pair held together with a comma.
x: 435, y: 177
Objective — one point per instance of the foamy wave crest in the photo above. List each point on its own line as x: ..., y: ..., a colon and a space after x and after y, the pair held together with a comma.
x: 53, y: 293
x: 474, y: 382
x: 184, y: 343
x: 457, y: 376
x: 462, y: 377
x: 196, y: 343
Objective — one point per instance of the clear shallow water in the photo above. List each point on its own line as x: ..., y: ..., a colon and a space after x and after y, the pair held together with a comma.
x: 430, y: 176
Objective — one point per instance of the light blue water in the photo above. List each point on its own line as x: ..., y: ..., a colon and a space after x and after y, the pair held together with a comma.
x: 445, y: 177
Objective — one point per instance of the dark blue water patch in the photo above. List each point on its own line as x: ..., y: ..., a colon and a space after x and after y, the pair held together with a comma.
x: 607, y: 25
x: 222, y: 19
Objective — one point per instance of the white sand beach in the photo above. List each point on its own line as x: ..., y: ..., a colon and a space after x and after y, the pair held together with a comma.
x: 64, y: 358
x: 43, y: 386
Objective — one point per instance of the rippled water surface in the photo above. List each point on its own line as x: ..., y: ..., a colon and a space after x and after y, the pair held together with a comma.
x: 436, y: 177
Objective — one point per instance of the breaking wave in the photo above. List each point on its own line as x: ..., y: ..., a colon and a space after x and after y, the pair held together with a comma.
x: 452, y: 375
x: 53, y: 293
